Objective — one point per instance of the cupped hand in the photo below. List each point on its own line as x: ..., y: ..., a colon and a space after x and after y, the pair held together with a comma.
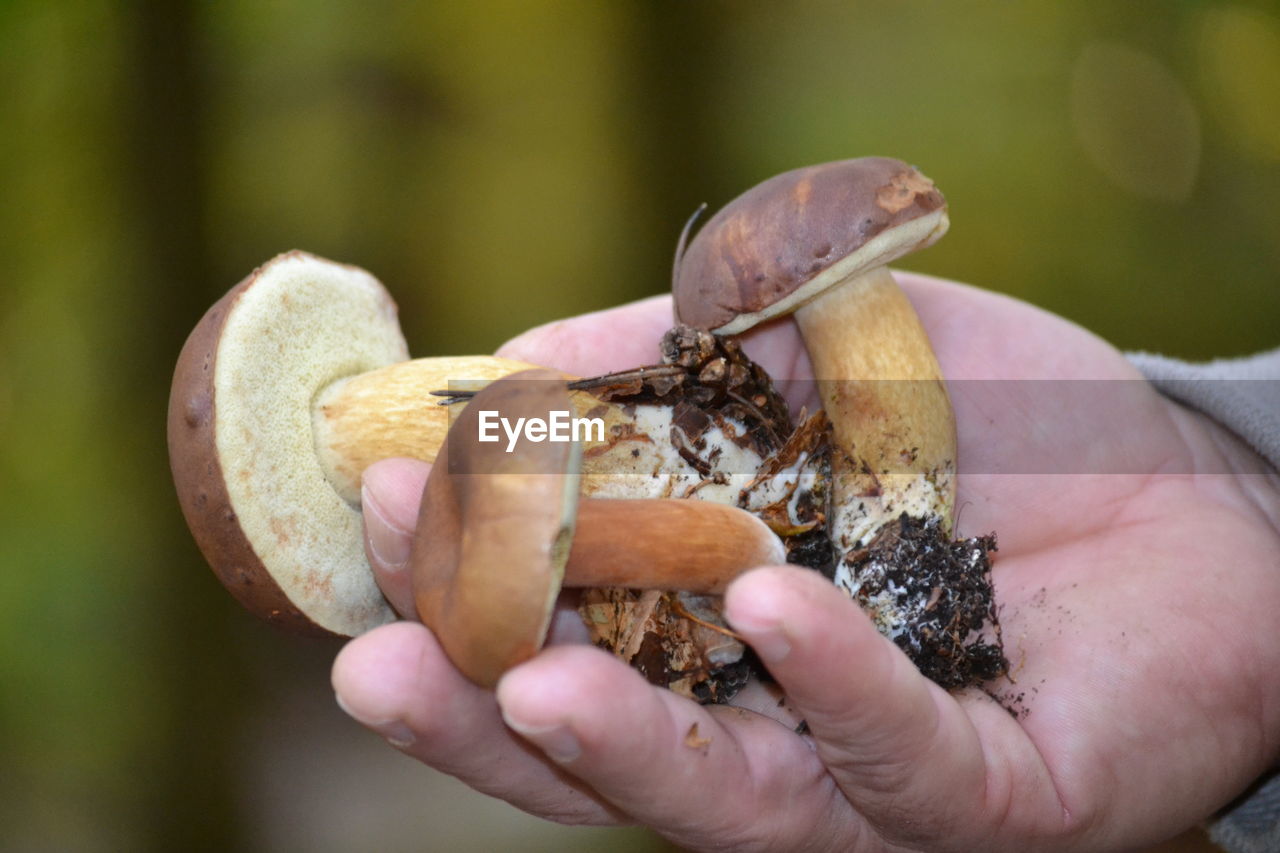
x: 1137, y: 584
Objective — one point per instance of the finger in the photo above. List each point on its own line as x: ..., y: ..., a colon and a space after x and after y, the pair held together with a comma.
x: 723, y: 778
x: 900, y: 748
x: 396, y: 681
x: 390, y: 494
x: 979, y: 334
x: 628, y: 336
x: 601, y: 342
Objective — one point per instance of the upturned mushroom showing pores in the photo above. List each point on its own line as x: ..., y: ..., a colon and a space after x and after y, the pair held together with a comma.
x: 262, y: 508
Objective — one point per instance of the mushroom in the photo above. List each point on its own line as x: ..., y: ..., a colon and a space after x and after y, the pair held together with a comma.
x: 502, y: 529
x: 289, y: 387
x: 815, y: 242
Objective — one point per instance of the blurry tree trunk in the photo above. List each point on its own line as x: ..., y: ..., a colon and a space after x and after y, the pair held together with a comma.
x: 192, y: 793
x: 675, y: 56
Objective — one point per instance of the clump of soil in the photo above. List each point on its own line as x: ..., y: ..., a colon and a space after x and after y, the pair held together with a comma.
x: 933, y: 597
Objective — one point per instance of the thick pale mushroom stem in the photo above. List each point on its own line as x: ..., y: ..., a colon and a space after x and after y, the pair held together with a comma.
x: 893, y: 427
x: 391, y: 411
x: 388, y: 412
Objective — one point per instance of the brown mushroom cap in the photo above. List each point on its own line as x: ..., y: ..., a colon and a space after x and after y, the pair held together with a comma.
x: 786, y: 240
x: 494, y: 531
x: 253, y: 491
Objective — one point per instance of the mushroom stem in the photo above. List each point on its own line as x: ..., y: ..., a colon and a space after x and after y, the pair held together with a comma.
x: 892, y: 422
x: 390, y: 411
x: 694, y: 546
x: 387, y: 412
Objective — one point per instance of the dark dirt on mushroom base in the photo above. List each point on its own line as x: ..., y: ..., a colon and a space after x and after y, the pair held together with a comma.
x: 952, y: 632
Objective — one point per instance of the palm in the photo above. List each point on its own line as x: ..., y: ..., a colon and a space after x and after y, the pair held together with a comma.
x: 1132, y: 567
x: 1124, y: 636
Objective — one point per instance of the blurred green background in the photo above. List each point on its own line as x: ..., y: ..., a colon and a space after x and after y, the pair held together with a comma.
x: 498, y: 165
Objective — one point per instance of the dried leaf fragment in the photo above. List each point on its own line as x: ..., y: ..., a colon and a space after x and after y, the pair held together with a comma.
x: 693, y: 741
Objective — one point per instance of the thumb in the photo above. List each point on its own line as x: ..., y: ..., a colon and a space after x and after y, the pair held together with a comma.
x: 390, y: 494
x: 591, y: 344
x: 901, y: 749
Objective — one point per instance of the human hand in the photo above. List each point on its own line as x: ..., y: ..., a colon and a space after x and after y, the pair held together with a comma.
x: 1138, y: 611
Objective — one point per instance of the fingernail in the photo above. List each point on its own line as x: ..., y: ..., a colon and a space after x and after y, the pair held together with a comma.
x: 389, y: 544
x: 395, y: 732
x: 765, y: 636
x: 557, y: 741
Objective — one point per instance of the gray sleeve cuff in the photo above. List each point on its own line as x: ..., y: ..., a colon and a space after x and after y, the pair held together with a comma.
x: 1243, y: 395
x: 1253, y: 825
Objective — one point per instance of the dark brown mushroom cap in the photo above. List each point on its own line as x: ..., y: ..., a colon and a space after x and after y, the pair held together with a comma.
x: 781, y: 243
x: 257, y: 500
x: 495, y: 528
